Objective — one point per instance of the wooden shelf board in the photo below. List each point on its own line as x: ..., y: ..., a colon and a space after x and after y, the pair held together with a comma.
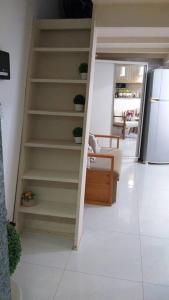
x: 51, y: 175
x: 61, y: 24
x: 56, y: 113
x: 58, y: 50
x: 65, y: 81
x: 51, y: 208
x: 53, y: 144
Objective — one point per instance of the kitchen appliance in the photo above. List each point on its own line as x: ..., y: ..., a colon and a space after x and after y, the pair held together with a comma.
x: 155, y: 133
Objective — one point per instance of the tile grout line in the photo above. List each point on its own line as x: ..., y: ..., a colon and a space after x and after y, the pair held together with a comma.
x: 96, y: 274
x: 138, y: 209
x: 41, y: 265
x: 133, y: 234
x: 64, y: 270
x: 103, y: 276
x: 91, y: 274
x: 58, y: 285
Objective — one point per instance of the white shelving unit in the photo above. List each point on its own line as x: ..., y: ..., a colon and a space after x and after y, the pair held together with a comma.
x: 51, y: 165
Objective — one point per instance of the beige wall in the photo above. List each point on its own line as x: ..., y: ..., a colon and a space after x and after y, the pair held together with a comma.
x: 131, y: 15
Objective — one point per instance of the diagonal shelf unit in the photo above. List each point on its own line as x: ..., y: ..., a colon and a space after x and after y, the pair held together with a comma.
x: 51, y: 164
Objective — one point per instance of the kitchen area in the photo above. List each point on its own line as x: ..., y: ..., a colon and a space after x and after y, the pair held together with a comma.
x: 128, y: 98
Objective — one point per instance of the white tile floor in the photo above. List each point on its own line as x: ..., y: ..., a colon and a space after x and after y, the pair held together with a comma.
x: 128, y: 145
x: 124, y: 254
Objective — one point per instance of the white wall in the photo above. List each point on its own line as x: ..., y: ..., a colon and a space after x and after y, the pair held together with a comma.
x: 101, y: 116
x: 124, y: 104
x: 15, y: 27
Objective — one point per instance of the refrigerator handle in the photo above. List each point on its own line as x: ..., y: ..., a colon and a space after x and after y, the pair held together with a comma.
x: 152, y: 100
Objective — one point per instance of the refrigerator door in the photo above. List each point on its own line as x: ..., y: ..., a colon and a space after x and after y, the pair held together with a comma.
x: 156, y: 78
x: 158, y: 143
x: 164, y: 92
x: 150, y: 114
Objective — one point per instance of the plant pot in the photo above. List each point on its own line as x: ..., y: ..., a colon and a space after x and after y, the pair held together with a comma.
x: 78, y: 139
x: 15, y: 291
x: 83, y: 76
x: 79, y: 107
x: 29, y: 203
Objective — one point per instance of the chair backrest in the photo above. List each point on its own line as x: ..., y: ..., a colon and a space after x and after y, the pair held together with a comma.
x: 119, y: 119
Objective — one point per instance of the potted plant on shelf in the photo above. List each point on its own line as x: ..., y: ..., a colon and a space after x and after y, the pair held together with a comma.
x: 83, y: 69
x: 14, y: 251
x: 77, y: 133
x: 79, y: 102
x: 28, y: 199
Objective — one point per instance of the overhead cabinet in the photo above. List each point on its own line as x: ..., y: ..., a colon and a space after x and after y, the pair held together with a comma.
x: 129, y: 73
x: 51, y: 165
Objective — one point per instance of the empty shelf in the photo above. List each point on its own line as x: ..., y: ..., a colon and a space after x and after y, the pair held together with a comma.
x: 61, y: 24
x: 58, y: 50
x: 53, y: 144
x: 51, y: 208
x: 66, y: 81
x: 56, y: 113
x: 51, y: 175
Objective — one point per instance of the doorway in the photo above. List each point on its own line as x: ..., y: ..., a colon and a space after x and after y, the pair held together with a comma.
x: 118, y: 102
x: 128, y: 102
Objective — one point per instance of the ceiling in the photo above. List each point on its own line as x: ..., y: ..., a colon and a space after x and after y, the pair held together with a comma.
x: 151, y: 41
x: 129, y: 1
x: 140, y: 40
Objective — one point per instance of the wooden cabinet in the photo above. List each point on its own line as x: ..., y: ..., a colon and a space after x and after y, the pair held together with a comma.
x: 129, y: 73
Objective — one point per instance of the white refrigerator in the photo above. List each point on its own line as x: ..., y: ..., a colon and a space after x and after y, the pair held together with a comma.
x: 155, y: 133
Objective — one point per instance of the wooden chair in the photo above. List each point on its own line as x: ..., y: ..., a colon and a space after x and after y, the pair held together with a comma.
x: 120, y: 123
x: 124, y: 124
x: 102, y: 178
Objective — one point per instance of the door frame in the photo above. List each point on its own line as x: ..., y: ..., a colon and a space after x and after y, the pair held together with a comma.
x: 140, y: 126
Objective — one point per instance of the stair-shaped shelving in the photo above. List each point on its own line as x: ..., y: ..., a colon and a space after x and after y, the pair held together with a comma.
x: 52, y: 166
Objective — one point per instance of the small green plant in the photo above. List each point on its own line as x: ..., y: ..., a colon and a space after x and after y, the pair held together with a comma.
x: 83, y: 68
x: 14, y: 247
x: 79, y: 99
x: 77, y: 132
